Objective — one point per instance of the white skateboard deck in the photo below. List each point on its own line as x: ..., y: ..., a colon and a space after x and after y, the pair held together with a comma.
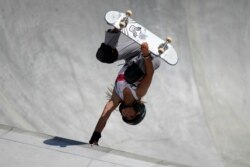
x: 140, y: 34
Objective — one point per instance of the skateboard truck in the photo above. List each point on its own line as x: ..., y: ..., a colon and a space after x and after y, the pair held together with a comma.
x: 164, y: 46
x: 123, y: 23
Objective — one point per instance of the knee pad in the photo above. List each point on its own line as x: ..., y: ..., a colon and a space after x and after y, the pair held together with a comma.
x: 106, y: 54
x: 133, y: 73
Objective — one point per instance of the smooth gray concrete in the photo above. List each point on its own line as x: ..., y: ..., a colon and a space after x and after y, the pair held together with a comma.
x: 198, y: 111
x: 24, y: 148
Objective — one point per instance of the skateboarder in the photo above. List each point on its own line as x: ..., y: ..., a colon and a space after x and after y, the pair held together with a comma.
x: 132, y: 82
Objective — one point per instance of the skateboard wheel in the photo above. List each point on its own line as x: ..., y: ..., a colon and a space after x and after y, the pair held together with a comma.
x: 161, y: 50
x: 169, y: 40
x: 129, y: 13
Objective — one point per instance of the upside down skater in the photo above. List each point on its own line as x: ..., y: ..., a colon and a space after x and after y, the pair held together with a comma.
x: 132, y: 82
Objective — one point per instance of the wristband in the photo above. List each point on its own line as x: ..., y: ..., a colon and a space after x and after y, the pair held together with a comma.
x: 146, y: 57
x: 95, y: 137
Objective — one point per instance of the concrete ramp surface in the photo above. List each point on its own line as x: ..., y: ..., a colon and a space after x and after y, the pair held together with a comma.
x: 197, y: 111
x: 24, y: 148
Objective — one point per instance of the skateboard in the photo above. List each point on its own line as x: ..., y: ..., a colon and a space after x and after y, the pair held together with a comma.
x: 140, y: 34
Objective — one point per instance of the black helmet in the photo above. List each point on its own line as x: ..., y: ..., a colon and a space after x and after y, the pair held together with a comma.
x: 140, y: 110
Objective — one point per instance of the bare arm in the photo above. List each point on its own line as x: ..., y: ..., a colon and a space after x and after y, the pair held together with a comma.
x: 149, y: 69
x: 108, y: 109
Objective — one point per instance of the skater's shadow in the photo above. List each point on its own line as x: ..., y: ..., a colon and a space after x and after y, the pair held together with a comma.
x: 62, y: 142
